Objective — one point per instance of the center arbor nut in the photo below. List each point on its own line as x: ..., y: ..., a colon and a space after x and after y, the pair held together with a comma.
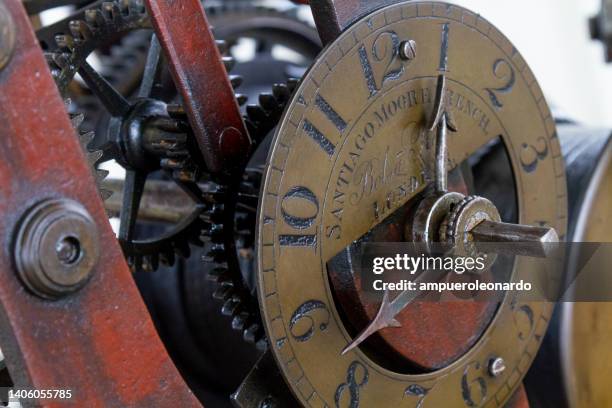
x: 457, y: 227
x: 56, y: 248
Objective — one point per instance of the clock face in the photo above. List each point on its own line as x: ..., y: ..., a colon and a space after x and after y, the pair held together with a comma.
x: 352, y: 149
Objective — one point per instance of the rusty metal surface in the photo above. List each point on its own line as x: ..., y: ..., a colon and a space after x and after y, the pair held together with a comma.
x: 333, y: 16
x: 99, y: 342
x: 198, y: 71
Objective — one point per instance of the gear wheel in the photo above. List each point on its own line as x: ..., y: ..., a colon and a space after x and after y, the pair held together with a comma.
x: 93, y: 156
x: 223, y: 221
x: 168, y: 147
x: 230, y: 223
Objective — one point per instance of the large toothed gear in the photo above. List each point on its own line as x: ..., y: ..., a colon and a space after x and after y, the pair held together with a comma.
x: 222, y: 224
x: 169, y: 148
x: 93, y: 156
x: 231, y: 224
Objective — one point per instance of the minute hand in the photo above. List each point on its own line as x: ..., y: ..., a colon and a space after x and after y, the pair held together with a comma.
x: 389, y: 309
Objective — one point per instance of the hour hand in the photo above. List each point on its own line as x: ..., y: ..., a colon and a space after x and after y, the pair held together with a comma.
x: 389, y: 309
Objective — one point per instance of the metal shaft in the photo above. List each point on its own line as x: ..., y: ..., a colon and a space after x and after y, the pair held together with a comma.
x: 526, y: 240
x: 161, y: 201
x: 441, y: 155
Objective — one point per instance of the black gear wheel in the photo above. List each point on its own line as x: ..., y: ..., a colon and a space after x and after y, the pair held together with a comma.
x: 169, y: 145
x: 230, y: 221
x: 93, y: 156
x: 225, y: 218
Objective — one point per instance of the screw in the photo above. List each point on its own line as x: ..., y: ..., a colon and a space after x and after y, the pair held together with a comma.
x: 408, y: 50
x: 68, y: 250
x: 497, y: 366
x: 7, y: 36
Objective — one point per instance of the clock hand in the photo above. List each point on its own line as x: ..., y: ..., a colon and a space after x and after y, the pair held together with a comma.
x: 531, y: 241
x: 487, y: 231
x: 391, y: 308
x: 441, y: 121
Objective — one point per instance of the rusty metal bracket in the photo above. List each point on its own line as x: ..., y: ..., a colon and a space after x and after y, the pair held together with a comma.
x: 198, y: 70
x: 99, y: 342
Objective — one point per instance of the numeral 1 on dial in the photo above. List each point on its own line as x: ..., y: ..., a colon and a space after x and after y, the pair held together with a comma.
x: 443, y: 66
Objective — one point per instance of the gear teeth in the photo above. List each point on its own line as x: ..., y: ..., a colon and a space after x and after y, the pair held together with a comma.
x: 110, y: 11
x: 93, y: 156
x: 257, y: 113
x: 80, y: 31
x: 150, y: 263
x: 217, y: 253
x: 239, y: 321
x: 281, y: 92
x: 94, y: 18
x: 262, y: 344
x: 241, y: 99
x: 251, y: 334
x: 167, y: 258
x: 292, y: 84
x: 224, y: 291
x: 77, y: 119
x: 214, y: 215
x: 214, y: 233
x: 222, y: 46
x: 231, y: 306
x: 105, y: 194
x: 229, y: 63
x: 236, y: 80
x: 217, y: 274
x: 268, y: 102
x: 134, y: 262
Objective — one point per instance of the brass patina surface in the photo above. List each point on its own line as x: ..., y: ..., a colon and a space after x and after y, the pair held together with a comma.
x: 353, y: 148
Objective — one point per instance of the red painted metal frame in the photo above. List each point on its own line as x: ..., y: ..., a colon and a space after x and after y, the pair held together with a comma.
x: 100, y: 342
x: 198, y: 71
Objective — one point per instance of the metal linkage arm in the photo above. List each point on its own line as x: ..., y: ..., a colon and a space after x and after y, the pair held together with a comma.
x: 97, y: 339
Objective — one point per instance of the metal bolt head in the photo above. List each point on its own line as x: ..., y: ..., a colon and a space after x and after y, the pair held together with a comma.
x: 68, y: 250
x: 7, y: 36
x: 407, y: 50
x: 496, y: 366
x: 56, y: 248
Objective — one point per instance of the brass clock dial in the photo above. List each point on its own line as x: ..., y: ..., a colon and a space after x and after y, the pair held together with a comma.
x: 354, y: 147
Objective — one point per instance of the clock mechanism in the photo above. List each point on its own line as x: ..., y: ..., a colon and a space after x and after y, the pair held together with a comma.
x: 406, y: 95
x: 245, y: 153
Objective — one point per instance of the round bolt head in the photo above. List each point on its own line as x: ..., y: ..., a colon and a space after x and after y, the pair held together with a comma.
x: 7, y: 36
x: 497, y: 366
x: 408, y: 50
x: 56, y: 248
x: 68, y: 250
